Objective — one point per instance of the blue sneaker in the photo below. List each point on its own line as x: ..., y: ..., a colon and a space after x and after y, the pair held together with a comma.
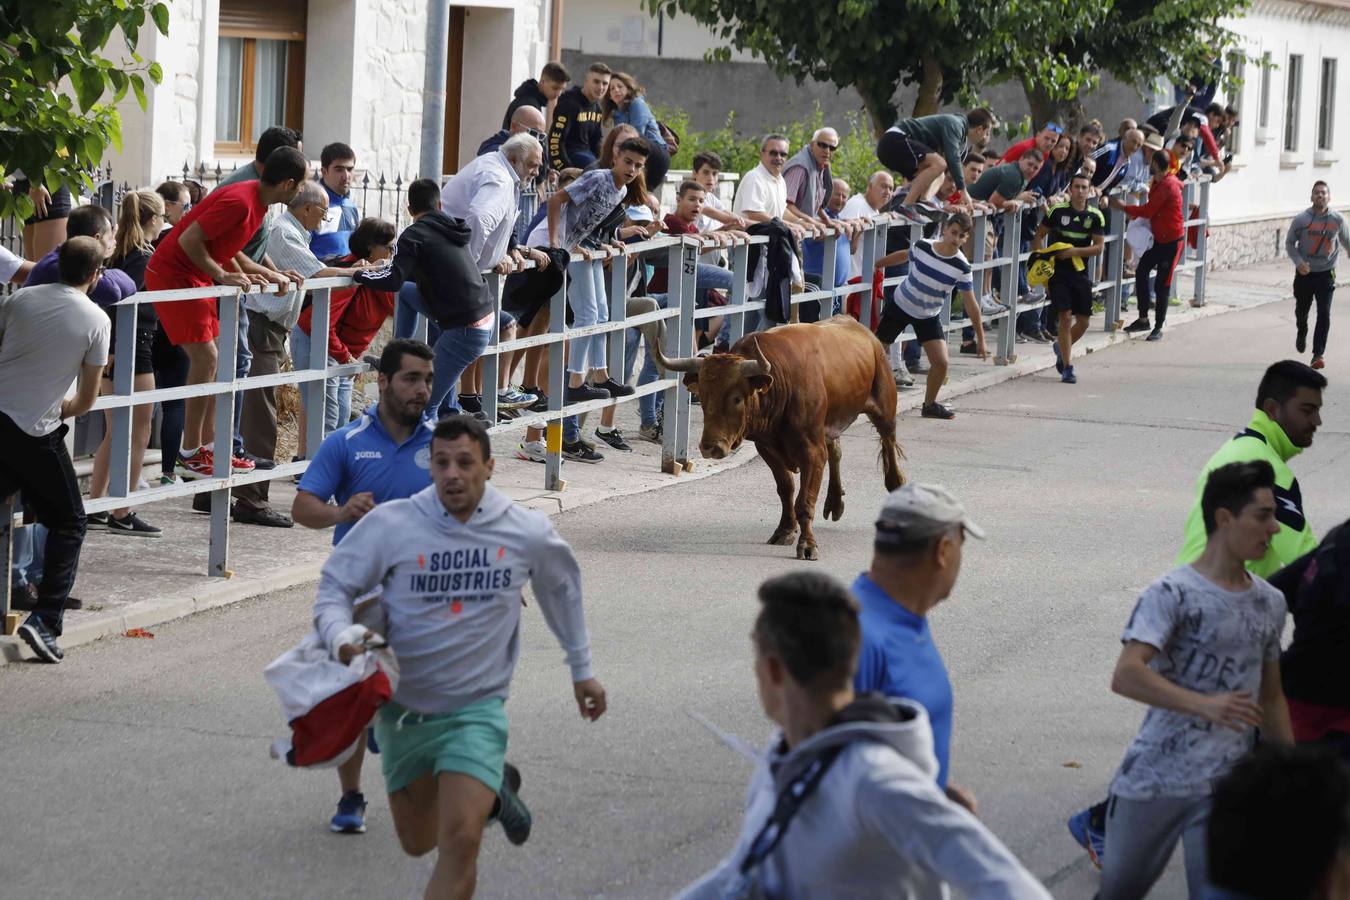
x: 1067, y: 376
x: 1090, y: 838
x: 351, y: 814
x: 1059, y: 360
x: 511, y: 811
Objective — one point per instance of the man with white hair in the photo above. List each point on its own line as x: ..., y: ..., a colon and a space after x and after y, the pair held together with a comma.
x: 863, y: 208
x: 1121, y: 162
x: 810, y: 179
x: 485, y: 194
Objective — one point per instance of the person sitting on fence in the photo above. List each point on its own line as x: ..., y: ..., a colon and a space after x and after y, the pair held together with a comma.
x: 936, y: 268
x: 577, y: 218
x: 50, y: 337
x: 1004, y: 187
x: 355, y: 316
x: 538, y: 93
x: 574, y: 136
x: 715, y: 216
x: 486, y: 196
x: 329, y: 240
x: 527, y: 119
x: 921, y: 149
x: 437, y: 277
x: 625, y: 103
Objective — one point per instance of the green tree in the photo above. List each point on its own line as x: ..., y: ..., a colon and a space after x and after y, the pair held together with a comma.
x: 58, y: 91
x: 874, y: 46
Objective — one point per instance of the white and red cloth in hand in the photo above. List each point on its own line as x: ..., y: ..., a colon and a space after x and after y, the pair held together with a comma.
x: 328, y: 704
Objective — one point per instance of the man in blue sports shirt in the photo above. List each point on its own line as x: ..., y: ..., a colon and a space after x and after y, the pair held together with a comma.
x: 384, y: 455
x: 916, y: 559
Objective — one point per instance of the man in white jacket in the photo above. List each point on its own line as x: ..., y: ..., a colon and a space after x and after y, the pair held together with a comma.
x: 845, y: 802
x: 450, y: 563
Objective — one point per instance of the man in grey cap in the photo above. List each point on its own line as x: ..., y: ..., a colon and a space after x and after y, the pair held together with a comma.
x: 916, y: 559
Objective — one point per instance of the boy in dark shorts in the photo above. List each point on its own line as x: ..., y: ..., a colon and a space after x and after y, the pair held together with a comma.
x: 1078, y: 229
x: 923, y: 149
x: 935, y: 269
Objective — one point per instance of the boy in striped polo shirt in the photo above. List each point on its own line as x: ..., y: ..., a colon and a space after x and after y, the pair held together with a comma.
x: 935, y: 269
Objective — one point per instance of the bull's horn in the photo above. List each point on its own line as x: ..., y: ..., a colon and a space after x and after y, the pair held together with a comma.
x: 678, y: 364
x: 757, y: 366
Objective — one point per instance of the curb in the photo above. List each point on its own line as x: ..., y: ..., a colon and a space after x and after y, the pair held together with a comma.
x: 148, y: 613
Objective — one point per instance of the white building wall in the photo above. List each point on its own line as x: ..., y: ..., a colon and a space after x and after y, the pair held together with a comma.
x: 1268, y: 182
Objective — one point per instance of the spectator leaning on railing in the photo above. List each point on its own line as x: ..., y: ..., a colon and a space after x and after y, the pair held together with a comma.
x: 715, y: 215
x: 436, y: 276
x: 355, y: 316
x: 625, y: 102
x: 196, y: 254
x: 50, y: 337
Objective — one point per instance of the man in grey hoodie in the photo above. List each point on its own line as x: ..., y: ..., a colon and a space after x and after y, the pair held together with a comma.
x: 1313, y: 242
x: 450, y: 563
x: 845, y: 802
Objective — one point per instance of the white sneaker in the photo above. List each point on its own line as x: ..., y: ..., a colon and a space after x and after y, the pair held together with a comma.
x: 532, y: 451
x: 902, y: 376
x: 989, y: 306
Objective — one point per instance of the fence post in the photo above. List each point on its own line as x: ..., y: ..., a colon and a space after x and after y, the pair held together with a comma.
x: 829, y: 247
x: 1202, y: 245
x: 121, y: 480
x: 218, y: 554
x: 316, y: 391
x: 9, y: 621
x: 491, y: 362
x: 1006, y: 354
x: 740, y: 279
x: 557, y: 384
x: 618, y: 312
x: 1115, y: 254
x: 873, y: 236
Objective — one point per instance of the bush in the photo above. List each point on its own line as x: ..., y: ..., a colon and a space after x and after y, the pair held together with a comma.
x: 855, y: 161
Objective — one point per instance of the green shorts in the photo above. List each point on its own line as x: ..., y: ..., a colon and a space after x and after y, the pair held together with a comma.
x: 471, y: 741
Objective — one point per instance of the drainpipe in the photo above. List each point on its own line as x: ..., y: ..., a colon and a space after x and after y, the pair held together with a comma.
x: 555, y: 17
x: 433, y: 90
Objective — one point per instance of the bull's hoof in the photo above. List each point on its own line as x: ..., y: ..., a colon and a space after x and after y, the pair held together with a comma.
x: 783, y: 536
x: 834, y: 508
x: 808, y: 551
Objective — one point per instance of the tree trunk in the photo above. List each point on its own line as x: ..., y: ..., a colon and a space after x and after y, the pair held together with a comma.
x: 1067, y: 113
x: 930, y: 89
x: 881, y: 113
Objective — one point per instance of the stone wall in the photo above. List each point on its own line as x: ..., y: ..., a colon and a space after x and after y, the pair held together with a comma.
x: 709, y: 91
x: 1247, y: 243
x: 388, y: 89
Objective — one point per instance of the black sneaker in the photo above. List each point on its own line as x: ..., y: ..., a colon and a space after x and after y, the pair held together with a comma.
x: 1301, y: 338
x: 258, y: 461
x: 614, y: 437
x: 1155, y: 334
x: 43, y: 643
x: 936, y: 411
x: 96, y: 521
x: 23, y: 597
x: 969, y: 349
x: 512, y: 812
x: 133, y: 525
x: 470, y: 403
x: 614, y: 389
x: 1138, y: 325
x: 261, y: 515
x: 583, y: 393
x: 581, y: 452
x: 541, y: 402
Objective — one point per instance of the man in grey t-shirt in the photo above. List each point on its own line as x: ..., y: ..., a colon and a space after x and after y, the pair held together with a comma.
x: 1313, y: 242
x: 1202, y: 651
x: 51, y: 336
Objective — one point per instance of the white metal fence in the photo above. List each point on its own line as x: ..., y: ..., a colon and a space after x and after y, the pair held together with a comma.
x: 679, y: 254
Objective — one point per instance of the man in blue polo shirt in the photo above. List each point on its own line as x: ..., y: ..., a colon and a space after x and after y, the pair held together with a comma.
x: 384, y: 455
x: 337, y: 164
x: 916, y: 559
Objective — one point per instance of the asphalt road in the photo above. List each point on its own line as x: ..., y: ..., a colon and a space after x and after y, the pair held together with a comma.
x: 139, y: 768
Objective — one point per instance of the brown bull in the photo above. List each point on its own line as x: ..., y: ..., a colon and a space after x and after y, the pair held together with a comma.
x: 793, y: 391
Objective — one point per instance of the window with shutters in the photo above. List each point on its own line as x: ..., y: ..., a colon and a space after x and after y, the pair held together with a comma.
x: 260, y: 71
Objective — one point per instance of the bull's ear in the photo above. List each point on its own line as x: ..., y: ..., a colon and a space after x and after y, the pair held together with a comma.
x: 691, y: 382
x: 760, y: 383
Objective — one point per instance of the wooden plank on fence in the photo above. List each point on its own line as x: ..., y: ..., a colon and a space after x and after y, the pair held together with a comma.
x: 12, y: 622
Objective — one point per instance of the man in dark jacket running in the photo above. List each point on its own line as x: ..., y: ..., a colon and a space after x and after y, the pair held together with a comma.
x: 436, y: 277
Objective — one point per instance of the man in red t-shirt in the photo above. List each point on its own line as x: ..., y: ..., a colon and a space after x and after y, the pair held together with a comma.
x: 1043, y: 140
x: 1163, y: 211
x: 204, y: 250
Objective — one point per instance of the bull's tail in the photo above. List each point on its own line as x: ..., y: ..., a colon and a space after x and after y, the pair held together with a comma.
x: 881, y: 412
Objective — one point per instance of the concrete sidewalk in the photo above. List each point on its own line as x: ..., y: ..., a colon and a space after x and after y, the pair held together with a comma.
x: 130, y: 582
